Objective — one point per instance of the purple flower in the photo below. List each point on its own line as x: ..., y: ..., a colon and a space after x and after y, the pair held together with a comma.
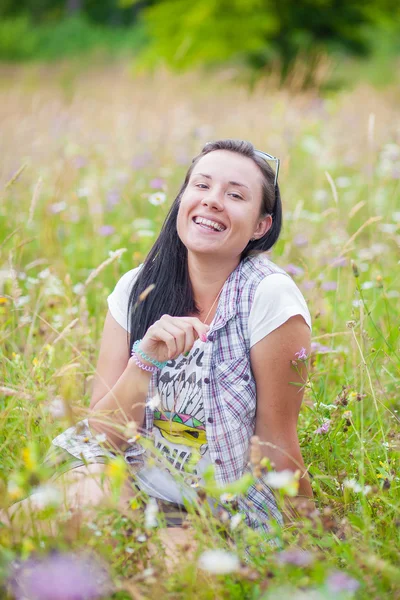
x: 329, y: 286
x: 317, y: 348
x: 341, y: 582
x: 300, y: 240
x: 113, y: 198
x: 297, y: 557
x: 141, y: 160
x: 61, y: 577
x: 79, y: 162
x: 106, y: 230
x: 324, y: 428
x: 293, y: 270
x: 309, y: 285
x: 157, y: 183
x: 302, y: 354
x: 340, y: 261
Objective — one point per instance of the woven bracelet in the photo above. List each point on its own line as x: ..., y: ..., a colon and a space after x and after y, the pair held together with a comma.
x: 153, y: 361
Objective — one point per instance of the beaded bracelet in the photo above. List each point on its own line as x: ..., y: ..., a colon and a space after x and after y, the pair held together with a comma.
x: 153, y: 361
x: 141, y: 365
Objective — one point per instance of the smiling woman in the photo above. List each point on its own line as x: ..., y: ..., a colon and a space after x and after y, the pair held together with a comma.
x: 199, y: 342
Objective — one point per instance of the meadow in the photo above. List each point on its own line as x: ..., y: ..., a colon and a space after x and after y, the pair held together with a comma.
x: 91, y: 160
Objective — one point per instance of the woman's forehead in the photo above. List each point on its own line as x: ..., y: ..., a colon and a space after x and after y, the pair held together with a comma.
x: 223, y: 164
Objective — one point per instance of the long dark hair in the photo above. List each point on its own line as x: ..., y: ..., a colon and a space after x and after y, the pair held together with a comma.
x: 166, y: 264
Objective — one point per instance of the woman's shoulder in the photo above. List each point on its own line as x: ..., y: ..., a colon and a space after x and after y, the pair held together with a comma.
x: 256, y: 268
x: 125, y: 282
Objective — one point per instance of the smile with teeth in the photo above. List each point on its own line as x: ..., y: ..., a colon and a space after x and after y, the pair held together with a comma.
x: 209, y: 224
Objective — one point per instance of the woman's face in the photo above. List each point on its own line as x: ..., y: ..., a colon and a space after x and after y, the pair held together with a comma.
x: 220, y: 209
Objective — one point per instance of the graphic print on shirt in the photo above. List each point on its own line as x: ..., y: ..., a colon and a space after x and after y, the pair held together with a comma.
x: 179, y: 424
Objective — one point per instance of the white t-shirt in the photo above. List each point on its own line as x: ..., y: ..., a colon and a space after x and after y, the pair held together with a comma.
x: 179, y: 423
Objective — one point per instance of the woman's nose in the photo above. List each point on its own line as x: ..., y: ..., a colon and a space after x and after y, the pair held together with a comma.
x: 213, y: 200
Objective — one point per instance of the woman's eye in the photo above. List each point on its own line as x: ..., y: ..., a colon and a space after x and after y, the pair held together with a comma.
x: 202, y: 186
x: 236, y: 196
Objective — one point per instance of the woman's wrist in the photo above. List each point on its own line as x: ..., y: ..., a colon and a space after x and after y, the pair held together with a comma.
x: 143, y: 357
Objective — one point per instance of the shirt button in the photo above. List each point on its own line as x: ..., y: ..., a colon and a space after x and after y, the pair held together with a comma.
x: 218, y: 461
x: 210, y: 420
x: 210, y: 337
x: 206, y: 380
x: 246, y: 377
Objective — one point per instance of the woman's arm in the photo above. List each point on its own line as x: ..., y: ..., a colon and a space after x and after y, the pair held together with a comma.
x: 120, y: 387
x: 280, y: 392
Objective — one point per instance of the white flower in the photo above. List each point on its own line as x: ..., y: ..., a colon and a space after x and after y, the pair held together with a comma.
x: 45, y: 496
x: 101, y: 437
x: 343, y: 182
x: 387, y: 227
x: 57, y: 408
x: 218, y: 562
x: 145, y: 233
x: 352, y: 484
x: 21, y: 301
x: 150, y: 514
x: 141, y: 538
x: 157, y: 198
x: 224, y: 498
x: 236, y: 519
x: 78, y: 289
x: 285, y: 480
x: 154, y: 402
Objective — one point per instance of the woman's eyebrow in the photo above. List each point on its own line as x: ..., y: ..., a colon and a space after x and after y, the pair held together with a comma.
x: 230, y: 182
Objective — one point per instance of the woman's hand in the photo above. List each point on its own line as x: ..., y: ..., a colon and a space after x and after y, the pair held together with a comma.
x: 170, y: 336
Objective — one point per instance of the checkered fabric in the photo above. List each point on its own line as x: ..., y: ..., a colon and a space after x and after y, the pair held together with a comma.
x: 229, y: 390
x: 229, y: 397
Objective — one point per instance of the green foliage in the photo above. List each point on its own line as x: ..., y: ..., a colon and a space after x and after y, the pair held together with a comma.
x: 74, y: 36
x: 258, y: 32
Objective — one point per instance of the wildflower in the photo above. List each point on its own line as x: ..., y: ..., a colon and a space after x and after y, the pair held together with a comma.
x: 341, y: 582
x: 302, y: 354
x: 157, y: 198
x: 317, y: 348
x: 45, y: 496
x: 154, y: 402
x: 235, y: 521
x: 101, y: 438
x: 295, y: 556
x: 300, y: 240
x: 324, y: 427
x: 340, y: 261
x: 225, y: 498
x: 286, y: 480
x: 106, y: 230
x: 347, y: 414
x: 113, y: 198
x: 61, y: 577
x: 157, y: 183
x: 3, y: 300
x: 294, y: 270
x: 150, y: 514
x: 219, y: 562
x: 329, y: 286
x: 57, y: 207
x: 57, y: 408
x: 352, y: 484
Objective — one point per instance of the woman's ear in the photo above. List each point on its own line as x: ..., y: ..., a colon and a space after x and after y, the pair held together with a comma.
x: 263, y: 227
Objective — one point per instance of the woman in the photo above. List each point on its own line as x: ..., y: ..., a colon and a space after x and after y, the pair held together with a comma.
x: 208, y: 362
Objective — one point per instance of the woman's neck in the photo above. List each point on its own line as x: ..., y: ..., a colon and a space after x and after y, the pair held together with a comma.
x: 208, y: 277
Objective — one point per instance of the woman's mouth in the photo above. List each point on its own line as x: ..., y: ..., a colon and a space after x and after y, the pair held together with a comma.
x: 209, y: 225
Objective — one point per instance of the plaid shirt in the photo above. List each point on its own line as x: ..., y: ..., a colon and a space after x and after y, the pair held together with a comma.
x: 229, y: 398
x: 229, y: 391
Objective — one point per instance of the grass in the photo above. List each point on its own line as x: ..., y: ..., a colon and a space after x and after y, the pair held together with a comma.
x: 82, y: 152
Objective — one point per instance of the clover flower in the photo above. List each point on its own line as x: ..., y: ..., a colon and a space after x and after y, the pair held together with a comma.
x: 60, y: 577
x: 295, y: 556
x: 324, y: 427
x: 219, y: 562
x: 341, y: 582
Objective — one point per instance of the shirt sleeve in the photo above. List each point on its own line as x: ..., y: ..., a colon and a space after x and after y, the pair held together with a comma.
x: 276, y: 300
x: 118, y: 299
